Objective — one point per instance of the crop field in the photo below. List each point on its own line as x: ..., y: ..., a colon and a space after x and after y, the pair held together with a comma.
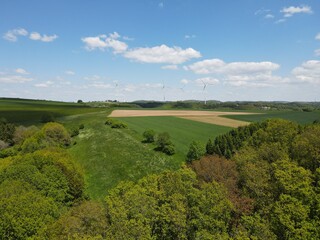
x: 212, y: 117
x: 295, y: 116
x: 182, y: 131
x: 26, y: 112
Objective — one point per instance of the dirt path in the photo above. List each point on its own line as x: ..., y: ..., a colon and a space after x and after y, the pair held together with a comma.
x: 200, y: 116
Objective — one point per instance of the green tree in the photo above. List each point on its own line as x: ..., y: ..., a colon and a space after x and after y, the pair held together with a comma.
x: 149, y: 136
x: 196, y: 151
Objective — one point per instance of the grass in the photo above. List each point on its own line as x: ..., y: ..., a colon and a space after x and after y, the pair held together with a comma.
x: 295, y: 116
x: 109, y: 156
x: 28, y: 112
x: 182, y: 131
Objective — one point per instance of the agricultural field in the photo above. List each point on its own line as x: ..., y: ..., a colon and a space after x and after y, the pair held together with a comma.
x: 213, y: 117
x: 29, y: 112
x: 295, y: 116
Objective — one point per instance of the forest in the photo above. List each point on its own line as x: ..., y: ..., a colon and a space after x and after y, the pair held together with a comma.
x: 260, y: 181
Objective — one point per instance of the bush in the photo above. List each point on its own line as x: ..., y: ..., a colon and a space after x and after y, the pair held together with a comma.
x: 149, y: 136
x: 163, y: 140
x: 74, y: 132
x: 169, y: 149
x: 81, y: 126
x: 196, y: 151
x: 109, y: 121
x: 118, y: 124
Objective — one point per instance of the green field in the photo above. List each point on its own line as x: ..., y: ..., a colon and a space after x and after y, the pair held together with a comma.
x: 28, y: 112
x: 295, y: 116
x: 182, y: 131
x: 109, y: 156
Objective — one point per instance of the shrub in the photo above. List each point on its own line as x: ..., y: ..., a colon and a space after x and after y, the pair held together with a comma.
x: 163, y: 140
x: 74, y: 132
x: 196, y: 151
x: 56, y: 134
x: 81, y: 126
x: 169, y: 149
x: 149, y: 136
x: 118, y: 124
x: 109, y: 121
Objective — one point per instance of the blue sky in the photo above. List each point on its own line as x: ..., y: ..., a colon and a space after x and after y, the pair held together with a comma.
x: 160, y: 49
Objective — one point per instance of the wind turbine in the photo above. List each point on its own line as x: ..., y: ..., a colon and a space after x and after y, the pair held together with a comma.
x: 163, y: 91
x: 205, y: 84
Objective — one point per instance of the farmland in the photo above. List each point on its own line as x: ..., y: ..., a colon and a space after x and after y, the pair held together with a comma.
x: 296, y: 116
x: 28, y: 112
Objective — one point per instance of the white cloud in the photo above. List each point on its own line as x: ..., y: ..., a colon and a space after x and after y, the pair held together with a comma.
x: 308, y: 72
x: 317, y: 52
x: 207, y: 81
x: 237, y: 73
x: 14, y: 79
x: 217, y: 66
x: 282, y: 20
x: 184, y: 81
x: 128, y: 38
x: 189, y: 36
x: 103, y: 42
x: 170, y: 67
x: 44, y: 84
x: 290, y: 11
x: 70, y: 72
x: 44, y: 38
x: 317, y: 37
x: 162, y: 54
x: 11, y: 35
x: 161, y: 5
x: 21, y: 71
x: 269, y: 16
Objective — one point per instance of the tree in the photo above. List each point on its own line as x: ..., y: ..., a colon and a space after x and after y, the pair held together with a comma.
x: 56, y: 134
x: 6, y: 131
x: 149, y: 136
x: 196, y: 151
x: 163, y: 140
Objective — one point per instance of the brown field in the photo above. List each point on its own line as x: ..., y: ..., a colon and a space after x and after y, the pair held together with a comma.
x: 200, y: 116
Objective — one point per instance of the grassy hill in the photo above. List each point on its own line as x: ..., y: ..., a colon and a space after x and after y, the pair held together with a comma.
x: 28, y: 112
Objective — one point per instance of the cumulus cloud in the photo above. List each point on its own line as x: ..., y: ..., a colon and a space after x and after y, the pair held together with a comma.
x: 92, y: 78
x: 218, y: 66
x: 308, y: 72
x: 44, y: 84
x: 317, y: 37
x: 12, y: 35
x: 170, y: 67
x: 14, y: 79
x: 44, y: 38
x: 21, y: 71
x: 237, y: 73
x: 103, y: 42
x: 162, y: 54
x: 290, y: 11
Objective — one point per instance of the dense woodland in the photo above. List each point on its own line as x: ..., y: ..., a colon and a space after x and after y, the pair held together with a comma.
x: 256, y: 182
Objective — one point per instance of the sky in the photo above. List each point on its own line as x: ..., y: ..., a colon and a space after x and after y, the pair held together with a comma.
x: 164, y: 50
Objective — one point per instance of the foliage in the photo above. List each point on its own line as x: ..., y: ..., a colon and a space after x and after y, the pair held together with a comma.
x: 6, y: 131
x: 167, y: 206
x: 118, y: 124
x: 56, y: 134
x: 164, y: 143
x: 47, y: 117
x: 149, y: 135
x: 196, y: 151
